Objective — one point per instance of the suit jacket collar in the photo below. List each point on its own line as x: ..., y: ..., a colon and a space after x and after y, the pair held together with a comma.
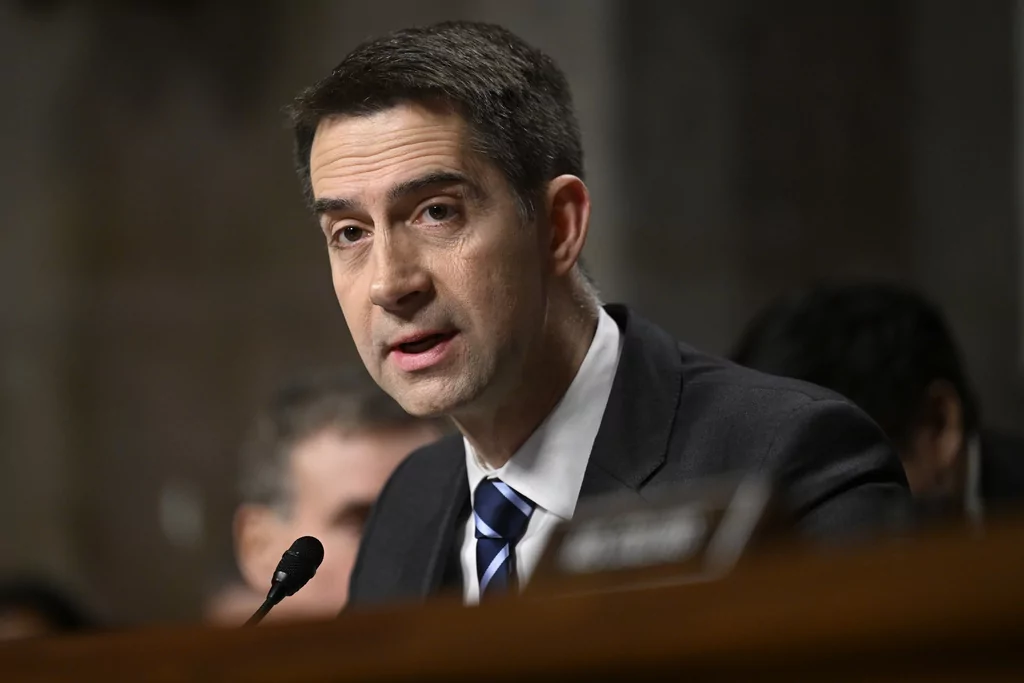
x: 631, y: 443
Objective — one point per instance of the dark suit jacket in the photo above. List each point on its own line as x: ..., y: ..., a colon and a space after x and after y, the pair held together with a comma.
x: 674, y: 415
x: 1002, y: 472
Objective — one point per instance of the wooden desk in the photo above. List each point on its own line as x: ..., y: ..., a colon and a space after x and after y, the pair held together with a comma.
x: 939, y: 608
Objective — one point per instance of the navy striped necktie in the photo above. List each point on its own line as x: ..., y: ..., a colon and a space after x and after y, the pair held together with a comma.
x: 500, y: 516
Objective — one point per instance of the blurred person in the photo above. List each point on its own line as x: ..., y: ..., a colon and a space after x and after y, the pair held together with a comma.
x: 230, y: 601
x: 314, y: 464
x: 32, y: 608
x: 445, y: 168
x: 890, y: 351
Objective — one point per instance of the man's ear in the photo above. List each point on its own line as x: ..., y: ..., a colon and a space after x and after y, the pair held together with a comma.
x: 257, y: 531
x: 944, y: 425
x: 568, y: 210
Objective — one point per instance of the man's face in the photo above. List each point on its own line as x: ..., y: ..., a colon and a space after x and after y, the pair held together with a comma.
x: 334, y: 480
x: 931, y: 473
x: 935, y: 453
x: 440, y: 282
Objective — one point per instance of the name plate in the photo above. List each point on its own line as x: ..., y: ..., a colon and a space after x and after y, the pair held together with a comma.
x: 667, y: 535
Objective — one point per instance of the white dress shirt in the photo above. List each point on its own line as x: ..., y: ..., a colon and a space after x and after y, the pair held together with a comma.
x: 548, y: 469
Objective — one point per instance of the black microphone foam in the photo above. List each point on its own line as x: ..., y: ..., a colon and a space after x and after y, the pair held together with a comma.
x: 297, y: 566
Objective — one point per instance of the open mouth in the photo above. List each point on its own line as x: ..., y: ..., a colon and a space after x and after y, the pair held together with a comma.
x: 425, y: 343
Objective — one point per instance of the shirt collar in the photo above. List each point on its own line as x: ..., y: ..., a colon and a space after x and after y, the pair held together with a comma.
x: 549, y: 467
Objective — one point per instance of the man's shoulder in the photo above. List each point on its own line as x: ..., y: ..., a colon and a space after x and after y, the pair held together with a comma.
x: 724, y: 416
x: 412, y: 490
x: 836, y: 474
x: 732, y: 418
x: 411, y: 508
x: 741, y: 392
x: 430, y: 465
x: 709, y: 385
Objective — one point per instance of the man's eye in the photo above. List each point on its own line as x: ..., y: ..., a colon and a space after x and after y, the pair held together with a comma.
x: 350, y: 234
x: 439, y: 212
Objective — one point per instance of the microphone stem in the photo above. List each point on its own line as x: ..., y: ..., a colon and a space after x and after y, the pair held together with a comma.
x: 260, y: 613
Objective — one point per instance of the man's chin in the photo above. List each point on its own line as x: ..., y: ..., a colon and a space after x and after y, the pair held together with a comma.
x: 428, y: 399
x: 427, y: 407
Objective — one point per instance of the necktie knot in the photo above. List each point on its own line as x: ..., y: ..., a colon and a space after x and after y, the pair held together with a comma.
x: 500, y: 511
x: 500, y: 516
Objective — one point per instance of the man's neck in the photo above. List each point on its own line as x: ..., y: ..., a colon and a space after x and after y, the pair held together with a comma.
x: 497, y: 434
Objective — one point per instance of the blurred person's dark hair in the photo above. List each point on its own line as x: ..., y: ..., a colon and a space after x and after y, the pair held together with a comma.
x: 880, y: 345
x: 30, y: 607
x: 514, y: 98
x: 346, y: 400
x: 890, y: 351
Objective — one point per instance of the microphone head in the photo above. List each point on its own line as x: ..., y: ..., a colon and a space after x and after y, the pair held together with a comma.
x: 297, y: 566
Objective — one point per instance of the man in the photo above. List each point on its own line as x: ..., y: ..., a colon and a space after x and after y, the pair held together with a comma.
x: 445, y: 167
x: 891, y: 352
x: 316, y: 461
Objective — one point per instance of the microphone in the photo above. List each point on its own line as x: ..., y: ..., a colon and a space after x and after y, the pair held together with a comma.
x: 297, y: 566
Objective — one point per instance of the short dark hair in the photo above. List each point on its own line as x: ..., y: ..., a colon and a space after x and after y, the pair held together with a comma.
x: 514, y: 97
x: 346, y: 399
x: 880, y: 345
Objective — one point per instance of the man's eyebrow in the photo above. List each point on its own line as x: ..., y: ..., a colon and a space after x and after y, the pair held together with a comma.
x: 399, y: 191
x: 322, y: 206
x: 408, y: 187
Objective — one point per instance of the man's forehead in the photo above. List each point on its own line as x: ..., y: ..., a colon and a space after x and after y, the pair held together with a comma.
x: 367, y: 152
x: 400, y: 116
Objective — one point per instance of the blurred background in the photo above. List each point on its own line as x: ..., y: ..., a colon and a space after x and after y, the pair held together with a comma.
x: 159, y: 274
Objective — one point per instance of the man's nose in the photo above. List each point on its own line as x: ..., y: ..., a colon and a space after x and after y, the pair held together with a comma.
x: 400, y: 282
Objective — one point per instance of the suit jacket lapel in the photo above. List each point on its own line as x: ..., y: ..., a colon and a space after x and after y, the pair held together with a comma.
x: 436, y: 561
x: 633, y: 438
